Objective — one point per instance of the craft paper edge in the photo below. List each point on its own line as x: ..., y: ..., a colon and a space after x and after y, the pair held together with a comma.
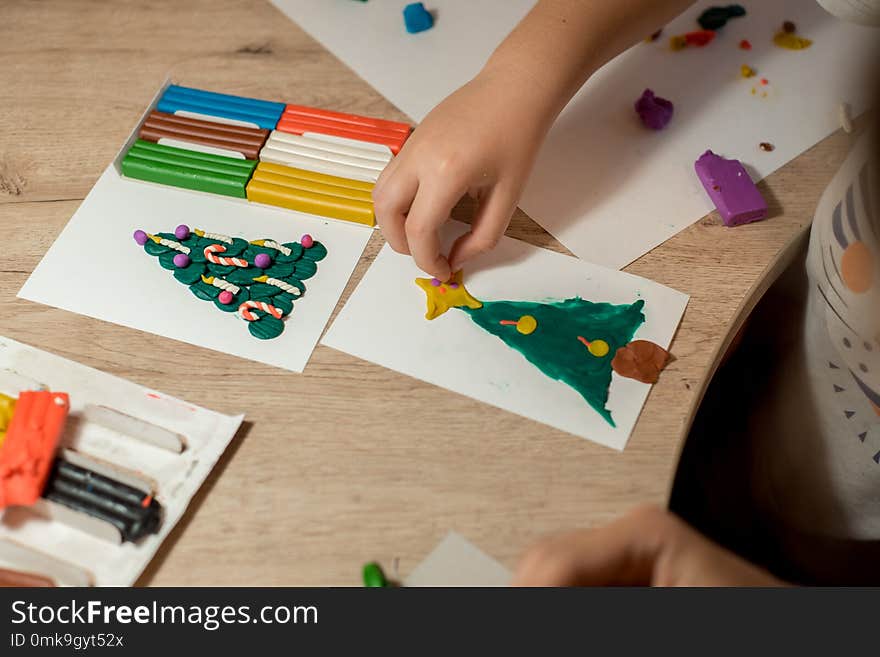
x: 457, y: 544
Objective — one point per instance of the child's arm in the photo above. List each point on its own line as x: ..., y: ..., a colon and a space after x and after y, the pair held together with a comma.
x: 648, y: 547
x: 483, y: 138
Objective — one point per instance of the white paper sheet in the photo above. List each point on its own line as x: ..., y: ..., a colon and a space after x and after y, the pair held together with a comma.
x: 178, y: 476
x: 95, y: 268
x: 458, y: 562
x: 600, y: 170
x: 384, y: 322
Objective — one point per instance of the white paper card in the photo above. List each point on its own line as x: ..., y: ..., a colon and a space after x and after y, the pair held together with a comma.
x: 599, y: 169
x: 384, y: 322
x: 95, y: 268
x: 458, y: 562
x: 177, y: 476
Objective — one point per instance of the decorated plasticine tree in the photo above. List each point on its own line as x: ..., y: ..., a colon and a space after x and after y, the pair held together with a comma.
x: 258, y: 280
x: 574, y: 341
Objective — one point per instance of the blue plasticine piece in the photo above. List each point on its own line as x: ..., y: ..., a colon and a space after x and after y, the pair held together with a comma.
x: 263, y: 113
x: 417, y: 18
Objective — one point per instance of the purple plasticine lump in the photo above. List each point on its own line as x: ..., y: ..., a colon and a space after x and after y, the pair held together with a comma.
x: 731, y: 189
x: 655, y: 112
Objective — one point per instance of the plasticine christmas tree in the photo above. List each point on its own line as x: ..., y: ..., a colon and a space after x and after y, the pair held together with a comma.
x: 258, y: 280
x: 574, y: 341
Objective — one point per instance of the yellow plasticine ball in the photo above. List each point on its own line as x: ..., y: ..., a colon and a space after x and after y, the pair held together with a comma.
x: 526, y: 324
x: 599, y: 348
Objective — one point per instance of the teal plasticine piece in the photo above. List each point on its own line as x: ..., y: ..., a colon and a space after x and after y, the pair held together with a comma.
x: 416, y: 18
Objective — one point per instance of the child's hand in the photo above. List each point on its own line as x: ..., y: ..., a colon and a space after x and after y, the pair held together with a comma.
x: 647, y: 547
x: 480, y: 141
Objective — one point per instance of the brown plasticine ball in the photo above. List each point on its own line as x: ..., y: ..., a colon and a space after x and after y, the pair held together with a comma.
x: 640, y: 360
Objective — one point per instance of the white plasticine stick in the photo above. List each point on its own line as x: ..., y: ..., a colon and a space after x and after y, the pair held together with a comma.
x: 334, y: 145
x: 215, y: 119
x: 135, y: 428
x: 110, y: 470
x: 355, y: 143
x: 199, y: 148
x: 23, y: 558
x: 275, y: 156
x: 370, y: 167
x: 83, y: 522
x: 330, y: 156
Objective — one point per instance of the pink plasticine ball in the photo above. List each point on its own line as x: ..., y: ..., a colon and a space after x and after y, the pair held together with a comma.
x: 225, y: 297
x: 307, y: 241
x: 181, y: 232
x: 263, y: 261
x: 140, y: 237
x: 181, y: 260
x: 435, y: 282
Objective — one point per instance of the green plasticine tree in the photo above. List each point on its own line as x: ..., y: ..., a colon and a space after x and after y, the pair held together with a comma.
x: 265, y: 276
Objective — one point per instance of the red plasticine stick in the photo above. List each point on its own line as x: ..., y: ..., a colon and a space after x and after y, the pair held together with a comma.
x: 29, y: 449
x: 298, y: 120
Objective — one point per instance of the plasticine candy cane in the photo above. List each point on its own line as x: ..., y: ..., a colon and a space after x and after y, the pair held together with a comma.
x: 219, y: 248
x: 247, y: 315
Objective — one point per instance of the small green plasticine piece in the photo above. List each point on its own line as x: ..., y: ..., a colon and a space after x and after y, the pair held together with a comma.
x: 374, y: 577
x: 180, y: 167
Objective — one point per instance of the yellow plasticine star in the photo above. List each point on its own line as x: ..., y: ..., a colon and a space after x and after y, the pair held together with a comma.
x: 443, y: 296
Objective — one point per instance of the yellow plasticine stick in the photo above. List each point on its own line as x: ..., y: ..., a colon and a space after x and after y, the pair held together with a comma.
x: 304, y: 174
x: 7, y: 408
x: 310, y: 202
x: 313, y: 186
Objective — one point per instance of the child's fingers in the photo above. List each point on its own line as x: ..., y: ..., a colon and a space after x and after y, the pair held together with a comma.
x: 489, y: 224
x: 385, y: 175
x: 623, y: 553
x: 430, y: 210
x: 391, y: 203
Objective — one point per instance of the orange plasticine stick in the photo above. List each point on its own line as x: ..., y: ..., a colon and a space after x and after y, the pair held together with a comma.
x: 29, y: 449
x: 299, y: 120
x: 342, y: 117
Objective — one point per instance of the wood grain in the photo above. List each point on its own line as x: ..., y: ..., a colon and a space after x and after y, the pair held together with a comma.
x: 348, y: 462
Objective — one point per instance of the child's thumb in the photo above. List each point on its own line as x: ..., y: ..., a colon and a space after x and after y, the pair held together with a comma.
x: 487, y: 228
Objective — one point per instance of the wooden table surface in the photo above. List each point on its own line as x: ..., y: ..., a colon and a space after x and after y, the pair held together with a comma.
x: 380, y: 466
